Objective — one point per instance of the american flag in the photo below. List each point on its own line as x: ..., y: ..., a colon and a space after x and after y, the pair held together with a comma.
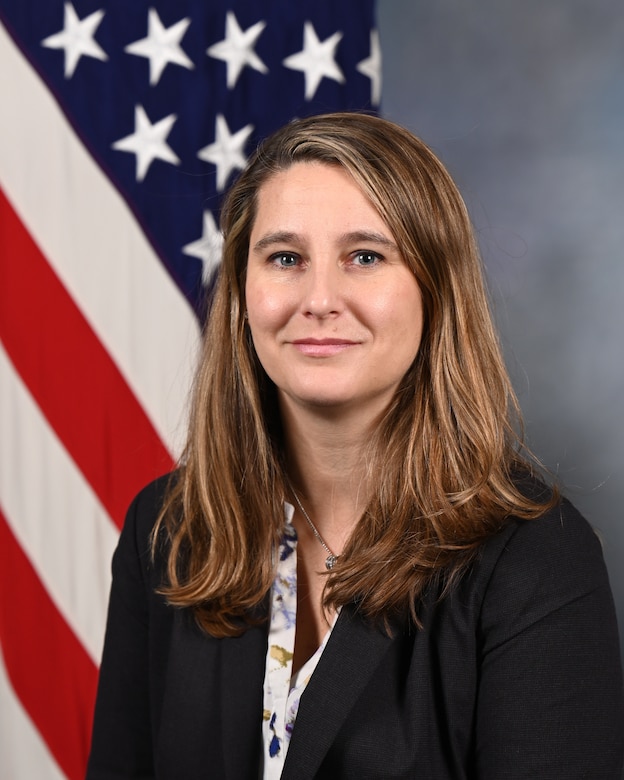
x: 121, y: 124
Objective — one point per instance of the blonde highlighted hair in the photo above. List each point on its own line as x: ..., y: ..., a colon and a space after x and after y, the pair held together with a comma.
x: 446, y: 456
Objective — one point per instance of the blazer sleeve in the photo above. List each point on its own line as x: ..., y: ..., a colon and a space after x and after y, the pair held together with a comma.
x: 122, y: 736
x: 550, y: 700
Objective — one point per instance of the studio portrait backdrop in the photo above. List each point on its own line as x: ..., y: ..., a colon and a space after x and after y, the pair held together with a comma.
x: 525, y: 104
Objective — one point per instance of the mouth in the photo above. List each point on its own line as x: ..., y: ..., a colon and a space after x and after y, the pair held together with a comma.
x: 322, y: 347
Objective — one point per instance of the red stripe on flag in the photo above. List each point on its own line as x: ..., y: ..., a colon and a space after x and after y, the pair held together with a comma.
x: 71, y: 375
x: 50, y: 671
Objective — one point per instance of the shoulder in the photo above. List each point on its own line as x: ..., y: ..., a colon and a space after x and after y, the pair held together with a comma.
x: 547, y: 650
x: 133, y: 555
x: 150, y: 498
x: 146, y: 506
x: 533, y: 568
x: 559, y: 545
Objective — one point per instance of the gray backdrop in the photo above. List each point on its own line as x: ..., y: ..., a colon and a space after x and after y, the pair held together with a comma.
x: 524, y: 102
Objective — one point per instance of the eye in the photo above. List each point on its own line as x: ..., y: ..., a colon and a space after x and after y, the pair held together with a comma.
x: 366, y: 259
x: 284, y: 259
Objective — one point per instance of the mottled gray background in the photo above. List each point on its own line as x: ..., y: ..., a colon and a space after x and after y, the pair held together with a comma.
x: 524, y: 102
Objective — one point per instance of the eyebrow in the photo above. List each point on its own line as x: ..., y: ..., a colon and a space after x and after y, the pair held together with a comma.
x: 355, y: 236
x: 279, y: 237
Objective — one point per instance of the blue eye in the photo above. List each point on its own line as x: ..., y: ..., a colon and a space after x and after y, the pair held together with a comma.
x: 366, y: 259
x: 284, y: 260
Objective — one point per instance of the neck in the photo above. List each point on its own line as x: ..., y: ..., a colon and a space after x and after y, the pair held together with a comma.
x: 328, y: 468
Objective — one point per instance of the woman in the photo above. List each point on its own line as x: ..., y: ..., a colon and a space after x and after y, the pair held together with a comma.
x: 354, y: 573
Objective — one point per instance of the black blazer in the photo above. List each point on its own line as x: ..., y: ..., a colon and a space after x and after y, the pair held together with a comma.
x: 515, y: 675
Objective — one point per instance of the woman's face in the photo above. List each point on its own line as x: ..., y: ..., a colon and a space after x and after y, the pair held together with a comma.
x: 335, y: 314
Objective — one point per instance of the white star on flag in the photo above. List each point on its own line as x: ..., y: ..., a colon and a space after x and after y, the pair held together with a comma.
x: 227, y: 150
x: 237, y: 48
x: 371, y: 67
x: 76, y: 38
x: 148, y: 142
x: 316, y: 60
x: 208, y: 247
x: 162, y: 45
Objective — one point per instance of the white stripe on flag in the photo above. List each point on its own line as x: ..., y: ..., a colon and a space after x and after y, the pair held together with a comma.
x: 54, y: 514
x: 24, y: 754
x: 79, y: 221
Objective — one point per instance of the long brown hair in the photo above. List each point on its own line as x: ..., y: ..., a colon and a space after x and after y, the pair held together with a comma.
x: 445, y: 453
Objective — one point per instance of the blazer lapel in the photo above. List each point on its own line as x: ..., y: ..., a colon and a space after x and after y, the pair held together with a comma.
x: 354, y: 650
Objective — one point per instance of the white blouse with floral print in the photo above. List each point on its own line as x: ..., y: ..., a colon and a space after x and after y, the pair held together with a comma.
x: 282, y: 689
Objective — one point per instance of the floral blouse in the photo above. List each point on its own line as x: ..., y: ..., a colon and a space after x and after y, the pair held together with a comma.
x: 282, y: 689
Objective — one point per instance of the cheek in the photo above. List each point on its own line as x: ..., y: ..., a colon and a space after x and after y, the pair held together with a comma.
x: 268, y: 309
x: 405, y: 326
x: 401, y: 311
x: 263, y: 312
x: 259, y: 305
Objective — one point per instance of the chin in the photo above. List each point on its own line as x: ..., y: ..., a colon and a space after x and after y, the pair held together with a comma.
x: 324, y: 401
x: 339, y: 404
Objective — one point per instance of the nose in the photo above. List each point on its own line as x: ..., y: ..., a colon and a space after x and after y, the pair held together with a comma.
x: 322, y: 291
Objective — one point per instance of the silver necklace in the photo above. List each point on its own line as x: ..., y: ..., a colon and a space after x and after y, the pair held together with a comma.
x: 331, y: 559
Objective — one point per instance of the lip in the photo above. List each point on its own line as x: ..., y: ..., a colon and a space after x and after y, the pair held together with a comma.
x: 322, y: 347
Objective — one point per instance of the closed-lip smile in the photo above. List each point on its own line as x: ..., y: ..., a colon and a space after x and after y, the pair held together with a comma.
x: 322, y: 347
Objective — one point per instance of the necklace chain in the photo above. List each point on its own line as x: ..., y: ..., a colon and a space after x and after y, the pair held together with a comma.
x: 331, y: 559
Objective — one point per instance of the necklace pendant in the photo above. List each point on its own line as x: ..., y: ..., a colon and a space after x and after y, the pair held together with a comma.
x: 330, y: 561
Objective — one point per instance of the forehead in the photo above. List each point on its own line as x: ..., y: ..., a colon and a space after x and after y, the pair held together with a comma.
x: 313, y: 194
